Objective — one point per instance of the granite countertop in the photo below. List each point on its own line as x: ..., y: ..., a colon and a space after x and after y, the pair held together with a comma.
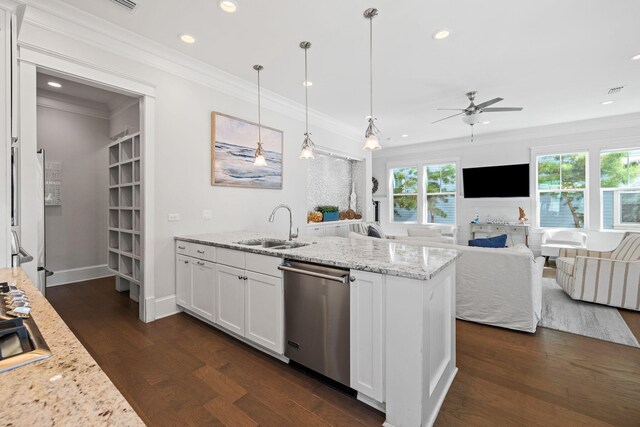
x: 68, y: 388
x: 377, y: 256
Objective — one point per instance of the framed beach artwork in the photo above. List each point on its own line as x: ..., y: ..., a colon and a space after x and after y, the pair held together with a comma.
x: 233, y: 146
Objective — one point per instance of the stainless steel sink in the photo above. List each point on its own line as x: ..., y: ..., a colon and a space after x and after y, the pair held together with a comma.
x: 273, y: 243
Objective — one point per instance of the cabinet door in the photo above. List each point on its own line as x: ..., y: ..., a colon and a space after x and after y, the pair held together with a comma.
x: 315, y: 231
x: 342, y: 230
x: 203, y: 288
x: 367, y: 334
x: 264, y: 312
x: 230, y: 298
x: 183, y: 282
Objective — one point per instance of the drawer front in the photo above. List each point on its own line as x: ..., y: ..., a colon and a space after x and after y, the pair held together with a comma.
x: 202, y: 251
x: 230, y: 257
x: 182, y: 247
x: 264, y: 264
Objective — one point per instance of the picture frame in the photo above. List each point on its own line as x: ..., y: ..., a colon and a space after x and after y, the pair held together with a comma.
x: 233, y: 145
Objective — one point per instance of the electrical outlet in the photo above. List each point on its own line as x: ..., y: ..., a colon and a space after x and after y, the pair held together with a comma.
x: 207, y: 214
x: 174, y: 217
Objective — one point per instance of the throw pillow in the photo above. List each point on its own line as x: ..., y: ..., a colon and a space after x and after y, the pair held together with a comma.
x: 373, y: 232
x: 490, y: 242
x: 378, y: 230
x: 424, y: 232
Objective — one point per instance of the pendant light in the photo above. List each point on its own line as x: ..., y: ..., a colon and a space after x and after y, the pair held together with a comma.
x: 371, y: 134
x: 308, y: 146
x: 260, y: 160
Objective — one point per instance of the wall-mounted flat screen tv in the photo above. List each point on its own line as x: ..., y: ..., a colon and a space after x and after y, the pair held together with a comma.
x: 496, y: 181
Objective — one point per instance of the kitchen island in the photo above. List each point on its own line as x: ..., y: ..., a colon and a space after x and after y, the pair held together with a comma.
x: 402, y: 309
x: 68, y: 388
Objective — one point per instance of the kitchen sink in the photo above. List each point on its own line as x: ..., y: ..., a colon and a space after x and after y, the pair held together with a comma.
x: 273, y: 243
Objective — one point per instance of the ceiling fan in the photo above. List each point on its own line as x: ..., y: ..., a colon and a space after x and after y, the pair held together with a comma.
x: 471, y: 114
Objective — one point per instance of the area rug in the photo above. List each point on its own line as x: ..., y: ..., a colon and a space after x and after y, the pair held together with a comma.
x: 562, y: 313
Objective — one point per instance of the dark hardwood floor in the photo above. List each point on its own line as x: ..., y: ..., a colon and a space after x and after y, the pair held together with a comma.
x: 178, y: 370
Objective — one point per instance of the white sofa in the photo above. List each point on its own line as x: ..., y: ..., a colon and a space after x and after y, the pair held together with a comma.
x: 499, y: 287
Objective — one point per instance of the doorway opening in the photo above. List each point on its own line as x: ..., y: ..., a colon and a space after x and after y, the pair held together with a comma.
x: 91, y: 160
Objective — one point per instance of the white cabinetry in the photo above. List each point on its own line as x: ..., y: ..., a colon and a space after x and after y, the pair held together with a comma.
x: 230, y: 298
x: 367, y: 335
x: 237, y: 291
x: 320, y: 229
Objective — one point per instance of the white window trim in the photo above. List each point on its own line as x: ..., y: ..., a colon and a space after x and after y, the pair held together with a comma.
x: 617, y: 225
x: 421, y: 164
x: 453, y: 193
x: 536, y: 192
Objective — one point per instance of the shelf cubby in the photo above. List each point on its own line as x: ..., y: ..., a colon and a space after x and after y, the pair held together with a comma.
x: 113, y: 240
x: 136, y: 196
x: 126, y: 150
x: 126, y: 197
x: 126, y: 242
x: 136, y: 269
x: 136, y: 146
x: 114, y: 155
x: 136, y: 171
x: 114, y: 178
x: 113, y: 260
x: 136, y: 221
x: 114, y: 195
x: 113, y: 218
x: 136, y: 245
x: 126, y: 265
x: 126, y: 220
x: 126, y: 173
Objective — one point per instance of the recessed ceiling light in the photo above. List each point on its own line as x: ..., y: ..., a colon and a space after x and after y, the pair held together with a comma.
x: 188, y: 39
x: 441, y: 35
x: 404, y: 135
x: 606, y: 102
x: 486, y: 122
x: 229, y: 6
x: 55, y: 84
x: 307, y: 83
x: 635, y: 57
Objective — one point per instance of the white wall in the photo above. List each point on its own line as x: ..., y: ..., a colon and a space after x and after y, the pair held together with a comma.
x: 76, y: 231
x: 125, y: 119
x: 511, y: 148
x: 182, y: 148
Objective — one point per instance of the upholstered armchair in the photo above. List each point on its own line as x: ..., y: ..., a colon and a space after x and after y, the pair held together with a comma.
x: 611, y: 278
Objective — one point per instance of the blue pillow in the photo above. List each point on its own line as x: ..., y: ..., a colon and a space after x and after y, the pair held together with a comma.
x: 491, y: 242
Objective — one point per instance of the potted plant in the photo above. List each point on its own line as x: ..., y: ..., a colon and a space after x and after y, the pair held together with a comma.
x: 329, y: 213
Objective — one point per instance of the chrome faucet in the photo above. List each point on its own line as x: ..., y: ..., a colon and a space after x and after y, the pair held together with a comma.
x: 292, y: 235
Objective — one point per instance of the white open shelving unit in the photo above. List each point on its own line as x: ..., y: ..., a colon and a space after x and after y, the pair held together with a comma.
x: 125, y: 214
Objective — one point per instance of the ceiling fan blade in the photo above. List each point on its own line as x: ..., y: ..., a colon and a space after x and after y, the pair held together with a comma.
x: 447, y: 117
x: 452, y: 109
x: 498, y: 109
x: 487, y: 103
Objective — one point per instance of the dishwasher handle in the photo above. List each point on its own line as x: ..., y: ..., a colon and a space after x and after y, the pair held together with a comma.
x: 340, y: 279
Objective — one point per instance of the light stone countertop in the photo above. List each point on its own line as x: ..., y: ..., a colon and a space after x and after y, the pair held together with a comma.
x: 82, y: 396
x: 383, y: 256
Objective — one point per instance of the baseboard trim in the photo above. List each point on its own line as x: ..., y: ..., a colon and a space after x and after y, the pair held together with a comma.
x: 165, y: 306
x: 74, y: 275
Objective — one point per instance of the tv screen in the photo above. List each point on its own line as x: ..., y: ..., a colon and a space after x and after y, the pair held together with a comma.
x: 496, y: 181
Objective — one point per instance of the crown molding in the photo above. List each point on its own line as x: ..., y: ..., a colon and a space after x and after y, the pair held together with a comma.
x: 71, y: 22
x: 124, y: 106
x: 588, y: 131
x: 9, y: 5
x: 69, y: 107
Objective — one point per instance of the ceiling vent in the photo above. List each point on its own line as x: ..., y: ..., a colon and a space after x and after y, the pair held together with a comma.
x: 615, y: 90
x: 129, y: 4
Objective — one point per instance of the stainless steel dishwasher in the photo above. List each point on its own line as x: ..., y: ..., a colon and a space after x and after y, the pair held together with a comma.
x: 316, y: 307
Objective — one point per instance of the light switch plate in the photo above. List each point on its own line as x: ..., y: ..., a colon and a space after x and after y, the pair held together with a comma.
x: 174, y: 217
x: 207, y: 214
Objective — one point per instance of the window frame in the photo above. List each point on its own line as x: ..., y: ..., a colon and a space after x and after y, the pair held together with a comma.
x: 425, y: 214
x: 421, y: 192
x: 617, y: 224
x: 392, y: 195
x: 585, y: 191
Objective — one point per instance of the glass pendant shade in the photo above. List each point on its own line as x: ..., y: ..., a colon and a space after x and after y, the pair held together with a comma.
x: 260, y: 161
x: 307, y: 148
x: 372, y: 143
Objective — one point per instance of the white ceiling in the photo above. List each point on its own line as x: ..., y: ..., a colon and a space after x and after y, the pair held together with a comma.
x: 557, y: 59
x: 80, y: 93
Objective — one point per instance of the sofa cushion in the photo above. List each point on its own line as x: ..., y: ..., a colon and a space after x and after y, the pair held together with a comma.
x: 373, y: 232
x: 378, y: 229
x: 490, y: 242
x: 424, y: 232
x: 628, y: 249
x: 565, y: 265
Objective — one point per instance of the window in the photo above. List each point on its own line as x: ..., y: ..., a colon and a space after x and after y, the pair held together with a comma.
x: 404, y: 185
x: 440, y: 193
x: 561, y: 189
x: 620, y: 186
